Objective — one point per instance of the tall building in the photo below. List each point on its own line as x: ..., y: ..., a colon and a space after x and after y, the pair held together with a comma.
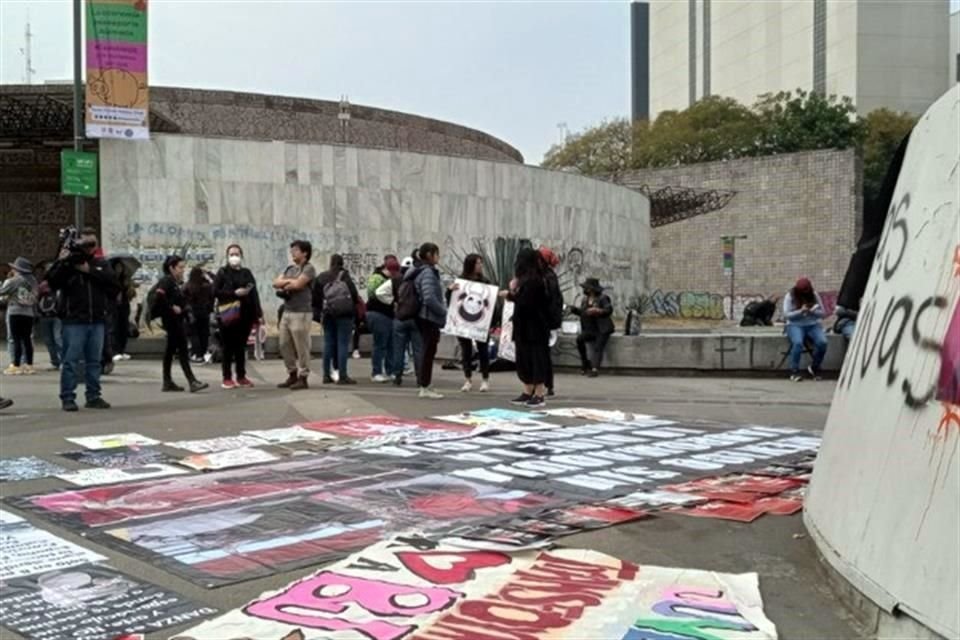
x: 954, y: 47
x: 880, y: 53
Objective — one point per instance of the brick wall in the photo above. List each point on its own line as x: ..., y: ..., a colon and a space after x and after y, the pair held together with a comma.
x: 802, y: 215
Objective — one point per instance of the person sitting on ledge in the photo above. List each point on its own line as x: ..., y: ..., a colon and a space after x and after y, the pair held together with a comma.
x: 803, y: 310
x: 596, y: 326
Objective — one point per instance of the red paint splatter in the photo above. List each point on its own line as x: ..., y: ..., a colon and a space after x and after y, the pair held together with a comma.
x: 951, y: 417
x: 956, y: 262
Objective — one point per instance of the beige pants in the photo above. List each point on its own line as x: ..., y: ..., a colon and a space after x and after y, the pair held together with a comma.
x: 295, y: 341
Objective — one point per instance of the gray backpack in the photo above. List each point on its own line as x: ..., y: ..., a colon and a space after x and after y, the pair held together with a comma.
x: 337, y: 301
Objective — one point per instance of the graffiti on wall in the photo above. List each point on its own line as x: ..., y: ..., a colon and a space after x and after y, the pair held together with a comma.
x: 691, y: 305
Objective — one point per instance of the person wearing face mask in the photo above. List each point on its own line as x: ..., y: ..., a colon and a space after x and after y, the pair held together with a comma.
x: 170, y: 306
x: 238, y: 308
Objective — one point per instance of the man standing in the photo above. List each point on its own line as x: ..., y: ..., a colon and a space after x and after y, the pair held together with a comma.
x: 86, y: 285
x: 294, y: 287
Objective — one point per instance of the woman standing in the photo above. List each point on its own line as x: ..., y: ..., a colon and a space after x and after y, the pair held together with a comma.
x: 238, y: 308
x: 171, y: 306
x: 531, y: 328
x: 23, y: 288
x: 121, y: 324
x: 336, y: 294
x: 472, y: 271
x: 199, y: 294
x: 803, y: 310
x: 432, y: 315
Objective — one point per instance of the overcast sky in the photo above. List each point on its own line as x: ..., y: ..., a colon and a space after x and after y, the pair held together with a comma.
x: 512, y: 69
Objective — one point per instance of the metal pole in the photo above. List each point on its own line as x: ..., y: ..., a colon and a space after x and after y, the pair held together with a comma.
x: 77, y: 99
x: 733, y: 272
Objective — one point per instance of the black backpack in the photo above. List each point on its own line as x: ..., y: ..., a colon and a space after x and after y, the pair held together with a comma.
x: 408, y: 302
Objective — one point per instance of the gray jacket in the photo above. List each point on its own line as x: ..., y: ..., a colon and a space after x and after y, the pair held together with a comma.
x: 430, y: 293
x: 10, y: 288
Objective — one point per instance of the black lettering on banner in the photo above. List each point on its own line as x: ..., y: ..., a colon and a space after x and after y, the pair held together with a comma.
x: 925, y: 344
x: 366, y: 564
x: 417, y: 542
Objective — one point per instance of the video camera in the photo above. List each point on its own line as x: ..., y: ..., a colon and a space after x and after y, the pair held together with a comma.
x: 70, y: 240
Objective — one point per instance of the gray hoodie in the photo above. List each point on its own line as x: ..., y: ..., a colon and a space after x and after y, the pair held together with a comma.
x: 19, y: 288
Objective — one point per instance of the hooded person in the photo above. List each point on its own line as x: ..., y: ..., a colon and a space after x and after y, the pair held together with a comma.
x: 549, y: 264
x: 23, y: 290
x: 596, y: 326
x: 803, y: 310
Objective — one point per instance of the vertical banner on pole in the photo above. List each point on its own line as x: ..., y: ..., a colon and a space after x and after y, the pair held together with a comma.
x: 117, y: 93
x: 728, y: 255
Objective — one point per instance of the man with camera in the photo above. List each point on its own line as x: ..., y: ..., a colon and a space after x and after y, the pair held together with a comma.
x: 87, y: 284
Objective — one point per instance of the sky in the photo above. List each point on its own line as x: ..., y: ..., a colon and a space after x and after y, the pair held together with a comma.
x: 512, y: 69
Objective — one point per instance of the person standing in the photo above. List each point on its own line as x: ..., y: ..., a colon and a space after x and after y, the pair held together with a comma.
x: 338, y: 303
x: 51, y: 331
x: 472, y: 271
x: 199, y: 295
x: 596, y: 326
x: 803, y: 311
x: 121, y: 324
x: 86, y: 285
x: 406, y: 334
x: 23, y: 290
x: 548, y: 264
x: 432, y: 315
x: 170, y: 305
x: 531, y: 328
x: 294, y: 287
x: 238, y: 308
x: 381, y: 290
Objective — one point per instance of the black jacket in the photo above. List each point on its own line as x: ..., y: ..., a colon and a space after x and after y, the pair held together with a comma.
x: 595, y: 325
x: 85, y: 298
x: 229, y: 280
x: 169, y: 294
x: 554, y: 298
x: 531, y: 315
x: 324, y: 279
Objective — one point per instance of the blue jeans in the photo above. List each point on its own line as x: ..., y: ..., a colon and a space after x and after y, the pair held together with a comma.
x: 797, y: 334
x: 10, y: 353
x: 81, y: 341
x: 405, y: 333
x: 51, y: 332
x: 336, y: 341
x: 381, y: 327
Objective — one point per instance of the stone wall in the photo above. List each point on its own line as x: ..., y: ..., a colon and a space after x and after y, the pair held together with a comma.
x: 195, y: 195
x: 801, y: 212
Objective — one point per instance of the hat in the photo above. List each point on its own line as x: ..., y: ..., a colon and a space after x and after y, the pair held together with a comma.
x: 392, y: 265
x: 406, y: 263
x: 803, y: 284
x: 21, y: 265
x: 549, y: 256
x: 592, y: 284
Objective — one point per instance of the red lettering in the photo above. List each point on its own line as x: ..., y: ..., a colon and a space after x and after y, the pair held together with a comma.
x: 567, y: 596
x: 495, y: 611
x: 446, y: 567
x: 456, y: 628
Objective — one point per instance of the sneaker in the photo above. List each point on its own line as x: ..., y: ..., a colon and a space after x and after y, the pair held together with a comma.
x: 228, y: 384
x: 593, y: 374
x: 171, y: 386
x: 70, y: 405
x: 196, y: 385
x: 119, y: 357
x: 523, y: 398
x: 5, y: 403
x: 328, y: 380
x: 299, y: 384
x: 467, y: 387
x: 193, y: 359
x: 289, y: 382
x: 429, y: 394
x: 380, y: 378
x: 12, y: 370
x: 551, y: 392
x: 796, y: 377
x: 97, y: 403
x: 356, y: 354
x: 815, y: 374
x: 398, y: 381
x: 107, y: 368
x: 28, y: 370
x: 207, y: 358
x: 335, y: 376
x: 127, y: 356
x: 346, y: 381
x: 244, y: 382
x: 484, y: 386
x: 536, y: 402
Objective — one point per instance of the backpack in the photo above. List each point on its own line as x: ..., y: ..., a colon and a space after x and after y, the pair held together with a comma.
x: 337, y: 300
x: 408, y: 302
x: 25, y: 296
x: 152, y: 312
x: 384, y: 293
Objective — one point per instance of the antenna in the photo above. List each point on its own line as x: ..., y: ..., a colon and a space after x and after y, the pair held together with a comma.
x: 27, y: 52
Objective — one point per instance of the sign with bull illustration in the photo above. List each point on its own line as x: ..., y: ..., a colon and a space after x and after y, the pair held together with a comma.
x: 471, y: 310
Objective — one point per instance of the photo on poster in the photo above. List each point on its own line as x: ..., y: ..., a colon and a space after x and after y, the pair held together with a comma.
x: 471, y: 310
x: 213, y: 445
x: 93, y: 477
x: 288, y: 434
x: 227, y: 459
x: 112, y: 440
x: 27, y: 468
x: 119, y: 457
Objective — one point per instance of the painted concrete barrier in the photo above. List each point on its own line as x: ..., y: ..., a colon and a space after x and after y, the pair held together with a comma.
x: 884, y: 503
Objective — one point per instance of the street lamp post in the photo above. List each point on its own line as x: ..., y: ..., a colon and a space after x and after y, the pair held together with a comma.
x: 730, y: 263
x: 77, y: 100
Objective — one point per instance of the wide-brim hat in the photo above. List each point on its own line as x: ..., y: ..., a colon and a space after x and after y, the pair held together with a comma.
x: 21, y: 265
x: 592, y: 284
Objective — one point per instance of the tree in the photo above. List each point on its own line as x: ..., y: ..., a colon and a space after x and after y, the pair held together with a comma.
x: 602, y: 149
x: 885, y: 130
x: 807, y: 121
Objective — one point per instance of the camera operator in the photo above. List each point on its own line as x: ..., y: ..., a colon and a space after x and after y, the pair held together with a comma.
x: 87, y: 285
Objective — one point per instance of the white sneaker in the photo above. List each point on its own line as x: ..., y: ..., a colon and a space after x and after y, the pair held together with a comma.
x: 127, y: 356
x: 484, y: 386
x: 12, y: 370
x: 335, y: 375
x: 430, y: 394
x: 467, y: 387
x: 380, y: 378
x: 356, y: 354
x: 118, y: 357
x: 208, y: 357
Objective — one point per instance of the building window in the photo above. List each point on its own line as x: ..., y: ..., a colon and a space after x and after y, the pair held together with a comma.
x: 820, y: 46
x: 706, y: 48
x: 692, y: 49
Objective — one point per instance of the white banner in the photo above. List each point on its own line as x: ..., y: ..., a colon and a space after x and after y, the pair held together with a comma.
x: 92, y: 477
x: 471, y: 310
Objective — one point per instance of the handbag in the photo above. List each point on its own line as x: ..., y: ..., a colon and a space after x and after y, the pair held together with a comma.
x: 229, y: 313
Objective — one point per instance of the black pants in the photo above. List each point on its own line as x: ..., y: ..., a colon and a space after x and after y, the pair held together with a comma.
x: 200, y: 337
x: 121, y: 328
x: 599, y: 344
x: 466, y: 350
x: 176, y: 346
x: 430, y: 335
x: 233, y: 339
x: 21, y: 330
x: 106, y: 358
x: 548, y: 378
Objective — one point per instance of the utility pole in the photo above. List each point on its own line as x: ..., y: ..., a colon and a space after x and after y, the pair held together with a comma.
x: 27, y: 52
x: 730, y: 264
x: 78, y: 100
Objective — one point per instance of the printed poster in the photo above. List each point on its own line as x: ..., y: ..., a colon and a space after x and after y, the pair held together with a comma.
x: 113, y: 440
x: 26, y: 550
x: 227, y: 459
x: 91, y: 602
x: 27, y: 468
x: 93, y: 477
x: 288, y: 434
x: 411, y: 587
x: 212, y: 445
x: 507, y: 349
x: 117, y: 94
x: 368, y: 426
x: 118, y: 457
x: 471, y: 310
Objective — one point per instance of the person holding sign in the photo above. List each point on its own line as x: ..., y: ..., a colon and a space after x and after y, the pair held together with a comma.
x: 471, y: 307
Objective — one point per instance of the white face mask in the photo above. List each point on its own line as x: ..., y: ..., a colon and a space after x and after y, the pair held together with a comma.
x: 234, y: 261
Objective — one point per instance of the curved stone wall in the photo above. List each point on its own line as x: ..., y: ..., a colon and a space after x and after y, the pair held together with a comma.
x: 184, y: 193
x: 884, y: 503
